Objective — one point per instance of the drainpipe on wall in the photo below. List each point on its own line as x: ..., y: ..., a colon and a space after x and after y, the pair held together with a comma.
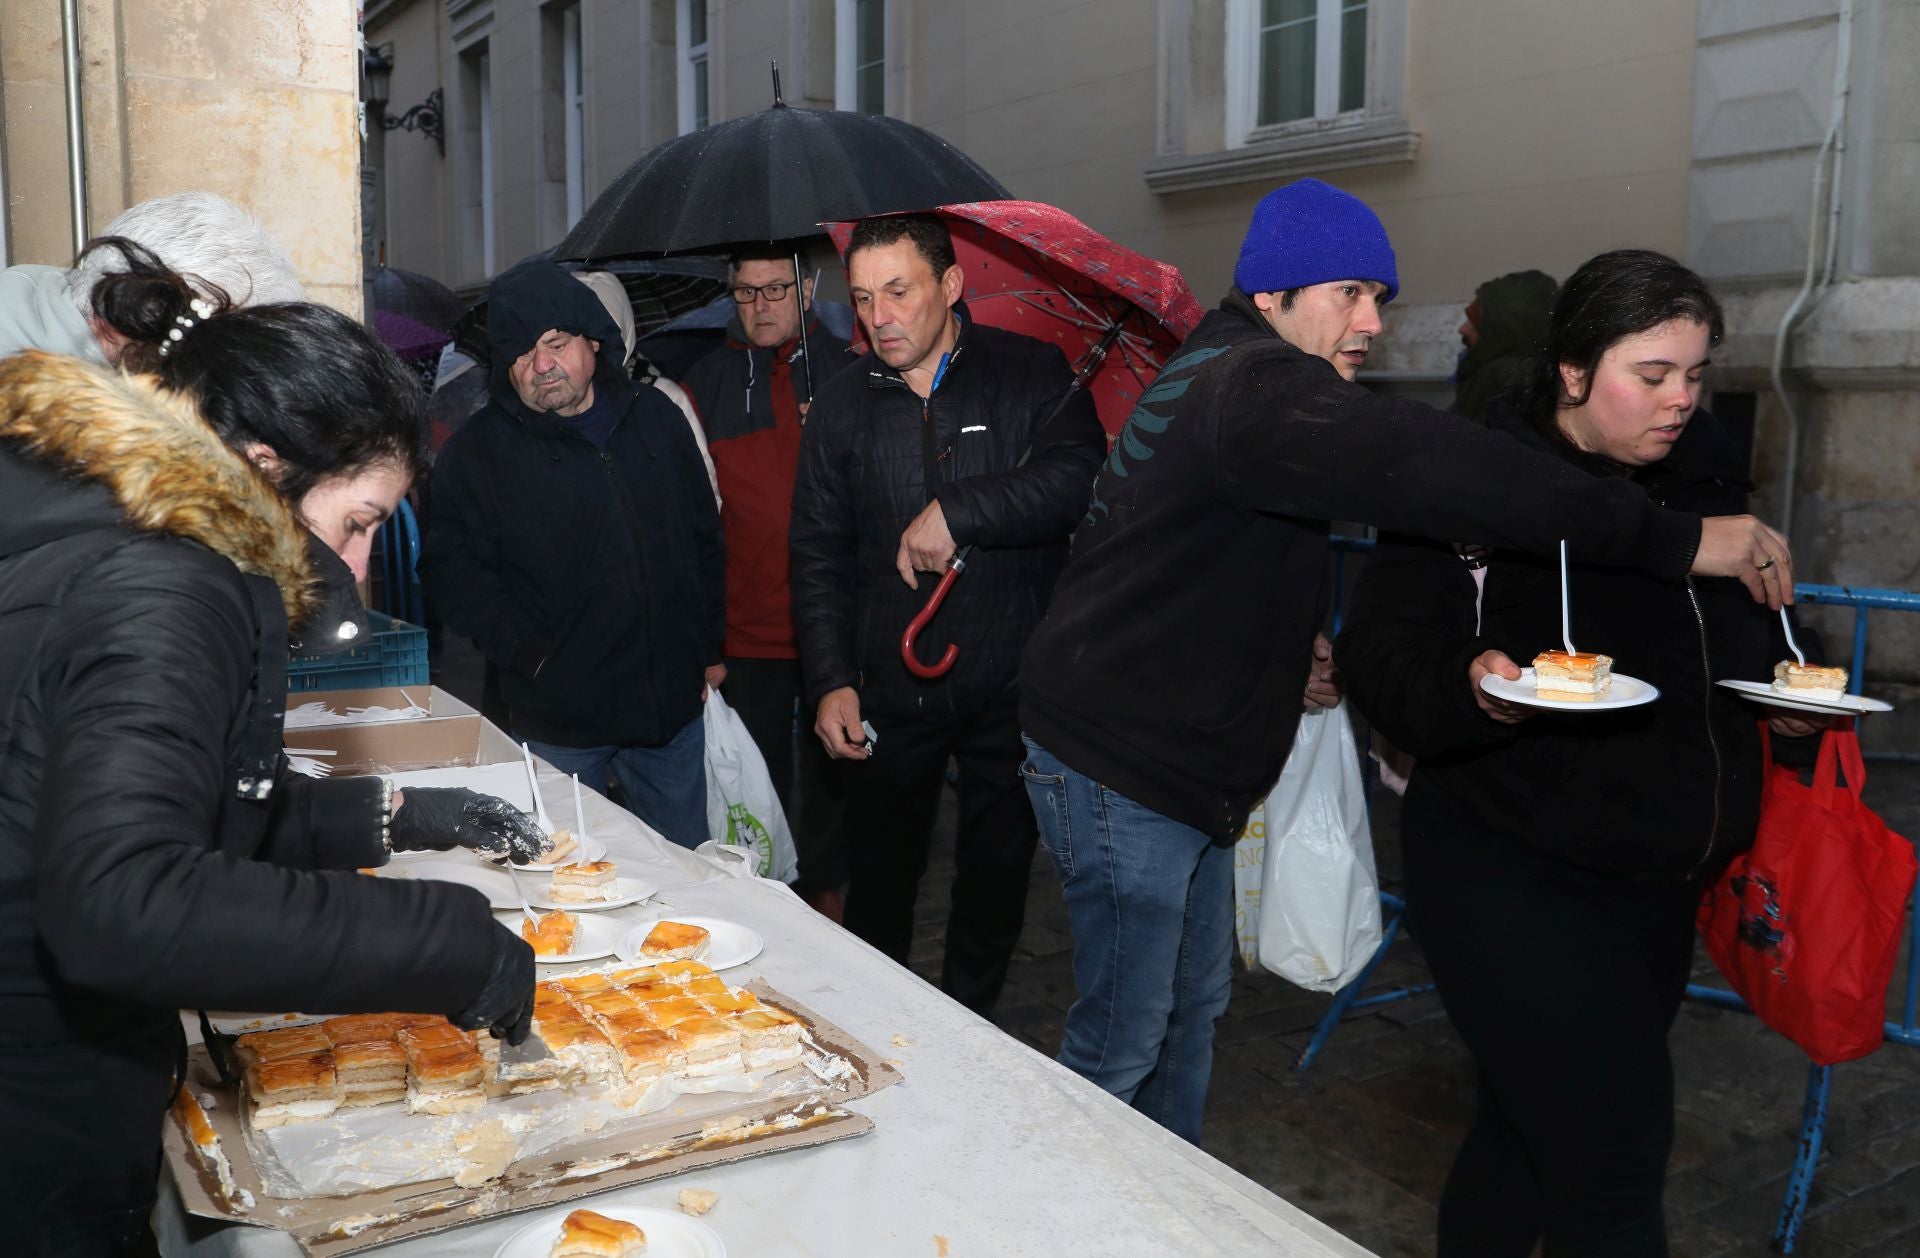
x: 1811, y: 289
x: 76, y: 131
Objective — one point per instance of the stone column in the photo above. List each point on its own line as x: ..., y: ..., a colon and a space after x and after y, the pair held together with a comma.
x: 252, y: 99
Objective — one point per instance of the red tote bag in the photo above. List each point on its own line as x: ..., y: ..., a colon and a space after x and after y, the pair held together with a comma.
x: 1807, y: 925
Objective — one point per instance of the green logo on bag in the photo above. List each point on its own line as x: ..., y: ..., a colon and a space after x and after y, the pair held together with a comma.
x: 744, y: 830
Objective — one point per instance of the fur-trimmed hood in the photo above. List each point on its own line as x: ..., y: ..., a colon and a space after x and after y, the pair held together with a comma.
x: 163, y: 470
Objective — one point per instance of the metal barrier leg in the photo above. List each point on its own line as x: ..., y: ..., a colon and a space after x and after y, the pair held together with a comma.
x: 1813, y: 1128
x: 1348, y: 999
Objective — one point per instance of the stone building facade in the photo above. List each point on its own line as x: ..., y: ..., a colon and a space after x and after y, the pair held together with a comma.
x: 1492, y: 135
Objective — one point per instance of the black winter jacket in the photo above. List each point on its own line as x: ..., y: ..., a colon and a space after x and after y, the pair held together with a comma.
x: 1670, y: 789
x: 148, y: 860
x: 1172, y: 664
x: 595, y: 580
x: 874, y: 455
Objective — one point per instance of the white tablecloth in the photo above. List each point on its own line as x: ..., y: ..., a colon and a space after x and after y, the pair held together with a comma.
x: 987, y: 1143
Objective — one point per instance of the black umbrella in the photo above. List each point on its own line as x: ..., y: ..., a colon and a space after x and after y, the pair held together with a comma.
x: 774, y: 175
x: 414, y: 296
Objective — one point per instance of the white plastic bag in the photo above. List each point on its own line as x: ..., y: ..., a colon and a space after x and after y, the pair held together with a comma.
x: 742, y: 809
x: 1249, y: 860
x: 1319, y: 895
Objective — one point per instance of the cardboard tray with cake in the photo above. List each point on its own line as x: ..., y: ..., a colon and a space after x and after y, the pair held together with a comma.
x: 638, y: 1072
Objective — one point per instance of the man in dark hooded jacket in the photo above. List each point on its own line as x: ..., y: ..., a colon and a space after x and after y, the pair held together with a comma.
x: 1505, y: 326
x: 576, y: 541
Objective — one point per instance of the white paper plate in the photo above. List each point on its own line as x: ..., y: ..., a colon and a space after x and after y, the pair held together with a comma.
x: 1846, y: 705
x: 632, y: 891
x: 492, y: 883
x: 731, y: 943
x: 594, y: 938
x: 1628, y: 692
x: 590, y: 849
x: 670, y: 1234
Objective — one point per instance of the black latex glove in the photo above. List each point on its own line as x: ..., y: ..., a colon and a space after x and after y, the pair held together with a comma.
x: 436, y: 818
x: 505, y: 1005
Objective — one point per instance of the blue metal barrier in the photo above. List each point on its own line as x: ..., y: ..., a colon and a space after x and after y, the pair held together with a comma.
x: 399, y: 566
x: 1813, y: 1120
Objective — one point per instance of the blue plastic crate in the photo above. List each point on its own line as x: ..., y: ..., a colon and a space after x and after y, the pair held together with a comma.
x: 394, y: 654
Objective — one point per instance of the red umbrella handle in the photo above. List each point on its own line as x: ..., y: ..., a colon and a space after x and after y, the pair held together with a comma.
x: 930, y: 672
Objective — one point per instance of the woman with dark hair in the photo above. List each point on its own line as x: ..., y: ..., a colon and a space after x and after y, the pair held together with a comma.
x: 1553, y: 862
x: 154, y: 553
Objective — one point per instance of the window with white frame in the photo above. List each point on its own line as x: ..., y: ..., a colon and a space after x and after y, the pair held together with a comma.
x: 1311, y: 86
x: 860, y: 55
x: 573, y: 110
x: 1294, y: 62
x: 691, y: 37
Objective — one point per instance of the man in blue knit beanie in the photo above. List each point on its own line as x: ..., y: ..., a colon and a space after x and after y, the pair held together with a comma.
x: 1161, y: 695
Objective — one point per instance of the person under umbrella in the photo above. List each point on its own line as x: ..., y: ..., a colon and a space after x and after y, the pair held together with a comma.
x: 751, y: 398
x: 912, y: 451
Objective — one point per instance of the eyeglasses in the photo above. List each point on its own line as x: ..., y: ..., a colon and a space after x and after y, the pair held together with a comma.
x: 746, y: 294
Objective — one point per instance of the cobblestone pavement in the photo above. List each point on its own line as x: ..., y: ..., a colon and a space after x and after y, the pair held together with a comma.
x: 1363, y: 1139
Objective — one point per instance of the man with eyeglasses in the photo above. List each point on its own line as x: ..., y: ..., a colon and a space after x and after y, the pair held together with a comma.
x: 752, y: 397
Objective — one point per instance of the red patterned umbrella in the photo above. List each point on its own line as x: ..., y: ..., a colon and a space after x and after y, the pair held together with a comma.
x: 1038, y: 270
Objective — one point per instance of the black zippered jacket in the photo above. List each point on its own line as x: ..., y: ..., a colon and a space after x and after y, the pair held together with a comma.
x: 1670, y: 789
x: 1172, y: 664
x: 873, y: 456
x: 595, y: 580
x: 152, y: 854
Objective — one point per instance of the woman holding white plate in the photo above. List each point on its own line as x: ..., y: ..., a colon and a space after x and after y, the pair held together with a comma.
x: 1554, y: 858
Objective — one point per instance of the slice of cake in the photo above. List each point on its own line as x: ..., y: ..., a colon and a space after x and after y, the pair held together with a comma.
x: 1578, y: 678
x: 706, y: 1046
x: 431, y: 1035
x: 675, y: 941
x: 585, y: 1234
x: 1810, y: 681
x: 731, y: 1002
x: 361, y: 1028
x: 608, y: 1004
x: 578, y: 985
x: 447, y: 1079
x: 682, y: 972
x: 552, y: 935
x: 636, y: 977
x: 645, y: 1054
x: 591, y: 883
x: 668, y: 1014
x: 294, y: 1041
x: 768, y: 1040
x: 292, y: 1090
x: 583, y: 1051
x: 371, y: 1073
x: 706, y: 985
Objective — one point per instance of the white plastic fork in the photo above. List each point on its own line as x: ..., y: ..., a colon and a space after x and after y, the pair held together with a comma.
x: 533, y: 784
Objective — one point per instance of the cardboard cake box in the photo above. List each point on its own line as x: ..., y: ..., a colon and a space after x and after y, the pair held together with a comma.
x: 452, y: 734
x: 722, y: 1127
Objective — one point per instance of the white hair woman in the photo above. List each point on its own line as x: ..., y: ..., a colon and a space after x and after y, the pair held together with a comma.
x: 219, y: 246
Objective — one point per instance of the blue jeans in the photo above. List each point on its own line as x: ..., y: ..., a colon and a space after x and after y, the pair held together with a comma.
x: 1151, y: 904
x: 665, y: 786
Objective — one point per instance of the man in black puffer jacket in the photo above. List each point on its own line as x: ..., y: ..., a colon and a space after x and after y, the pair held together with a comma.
x: 913, y: 451
x: 575, y: 540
